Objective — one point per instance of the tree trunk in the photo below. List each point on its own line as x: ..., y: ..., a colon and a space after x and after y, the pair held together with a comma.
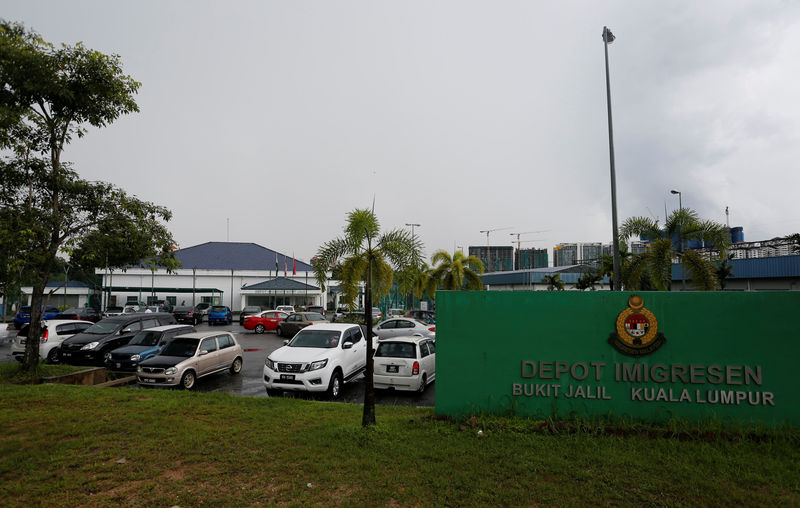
x: 369, y: 388
x: 34, y: 329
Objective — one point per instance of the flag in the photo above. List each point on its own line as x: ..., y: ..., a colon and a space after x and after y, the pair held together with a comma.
x: 294, y: 265
x: 276, y: 264
x: 284, y: 266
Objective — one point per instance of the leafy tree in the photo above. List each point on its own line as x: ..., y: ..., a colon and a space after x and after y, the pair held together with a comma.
x: 48, y: 95
x: 681, y: 227
x: 553, y: 281
x: 588, y: 279
x: 455, y: 272
x: 794, y: 241
x: 724, y: 270
x: 366, y: 255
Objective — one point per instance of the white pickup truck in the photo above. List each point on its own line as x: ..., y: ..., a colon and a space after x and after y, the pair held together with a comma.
x: 320, y: 358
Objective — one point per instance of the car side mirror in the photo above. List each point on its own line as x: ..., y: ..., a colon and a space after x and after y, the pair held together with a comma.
x: 203, y: 352
x: 285, y: 342
x: 347, y: 345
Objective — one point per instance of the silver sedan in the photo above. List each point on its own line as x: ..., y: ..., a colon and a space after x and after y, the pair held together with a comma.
x: 403, y: 327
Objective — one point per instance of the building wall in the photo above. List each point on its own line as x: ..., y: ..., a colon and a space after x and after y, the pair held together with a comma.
x: 230, y: 283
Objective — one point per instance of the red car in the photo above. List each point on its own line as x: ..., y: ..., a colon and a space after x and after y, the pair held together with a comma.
x: 263, y: 321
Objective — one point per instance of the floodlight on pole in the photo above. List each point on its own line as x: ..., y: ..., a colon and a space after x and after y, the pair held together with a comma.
x: 608, y: 38
x: 680, y: 200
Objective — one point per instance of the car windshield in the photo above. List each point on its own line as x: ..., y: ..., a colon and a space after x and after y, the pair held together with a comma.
x: 313, y: 316
x: 316, y: 338
x: 71, y: 311
x: 396, y: 350
x: 145, y: 338
x: 102, y: 328
x: 252, y: 309
x: 183, y: 309
x: 184, y: 347
x: 217, y: 308
x: 114, y: 309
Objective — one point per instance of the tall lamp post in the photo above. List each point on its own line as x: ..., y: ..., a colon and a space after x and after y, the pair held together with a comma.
x: 608, y: 38
x: 413, y: 240
x: 680, y: 207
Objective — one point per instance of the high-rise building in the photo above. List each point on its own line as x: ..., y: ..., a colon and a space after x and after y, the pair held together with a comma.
x: 565, y: 254
x: 494, y: 258
x: 530, y: 258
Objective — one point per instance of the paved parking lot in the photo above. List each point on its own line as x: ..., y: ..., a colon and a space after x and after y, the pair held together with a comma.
x: 249, y: 383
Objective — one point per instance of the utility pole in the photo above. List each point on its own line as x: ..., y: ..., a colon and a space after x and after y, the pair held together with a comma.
x: 608, y: 38
x: 488, y: 249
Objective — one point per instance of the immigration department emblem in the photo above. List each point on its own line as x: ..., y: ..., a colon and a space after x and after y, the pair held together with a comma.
x: 637, y: 330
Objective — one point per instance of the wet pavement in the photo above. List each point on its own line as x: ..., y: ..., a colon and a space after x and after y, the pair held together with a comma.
x: 249, y: 382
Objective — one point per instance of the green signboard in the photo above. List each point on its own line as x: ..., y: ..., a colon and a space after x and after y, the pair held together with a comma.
x: 732, y: 357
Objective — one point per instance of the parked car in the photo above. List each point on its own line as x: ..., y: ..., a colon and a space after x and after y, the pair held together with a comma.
x: 377, y: 315
x: 220, y: 314
x: 91, y: 345
x: 144, y: 345
x: 190, y: 357
x: 131, y: 308
x: 426, y: 316
x: 320, y: 358
x: 265, y: 321
x: 84, y: 314
x: 340, y: 313
x: 319, y: 309
x: 285, y: 308
x: 250, y: 310
x: 398, y: 327
x: 187, y: 314
x: 395, y: 313
x: 24, y: 315
x: 203, y: 308
x: 405, y: 363
x: 53, y: 333
x: 297, y: 321
x: 113, y: 311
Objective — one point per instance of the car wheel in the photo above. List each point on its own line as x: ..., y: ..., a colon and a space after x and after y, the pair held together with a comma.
x: 260, y: 329
x: 188, y: 379
x: 279, y: 331
x: 335, y: 386
x: 423, y: 384
x: 236, y: 366
x: 52, y: 356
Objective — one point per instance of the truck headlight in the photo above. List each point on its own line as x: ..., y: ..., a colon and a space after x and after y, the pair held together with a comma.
x: 319, y: 364
x: 269, y: 363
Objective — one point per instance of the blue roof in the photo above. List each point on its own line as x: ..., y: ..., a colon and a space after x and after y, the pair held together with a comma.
x: 280, y: 284
x: 70, y: 284
x: 236, y: 256
x: 757, y: 268
x: 569, y: 274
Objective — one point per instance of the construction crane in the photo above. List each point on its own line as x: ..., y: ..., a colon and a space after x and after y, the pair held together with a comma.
x: 519, y: 258
x: 519, y: 249
x: 488, y: 249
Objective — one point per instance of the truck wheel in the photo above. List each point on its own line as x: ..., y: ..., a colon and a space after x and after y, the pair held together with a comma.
x: 335, y: 386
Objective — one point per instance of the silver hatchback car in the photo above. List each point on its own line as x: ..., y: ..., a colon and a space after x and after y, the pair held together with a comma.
x: 189, y: 357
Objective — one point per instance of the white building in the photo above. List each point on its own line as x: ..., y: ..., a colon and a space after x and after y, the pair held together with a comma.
x: 235, y: 274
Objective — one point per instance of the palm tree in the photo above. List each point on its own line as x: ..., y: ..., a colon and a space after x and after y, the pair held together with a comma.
x: 455, y: 272
x: 553, y: 281
x: 682, y: 226
x: 365, y: 254
x: 724, y: 270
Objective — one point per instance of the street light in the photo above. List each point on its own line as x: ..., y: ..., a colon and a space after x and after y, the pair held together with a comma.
x: 680, y: 202
x: 680, y: 237
x: 608, y: 38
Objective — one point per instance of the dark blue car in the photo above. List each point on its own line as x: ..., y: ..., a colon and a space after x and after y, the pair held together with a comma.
x: 24, y: 315
x: 220, y: 314
x: 145, y: 344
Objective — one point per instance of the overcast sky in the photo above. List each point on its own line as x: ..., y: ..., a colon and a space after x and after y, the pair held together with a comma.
x: 460, y: 116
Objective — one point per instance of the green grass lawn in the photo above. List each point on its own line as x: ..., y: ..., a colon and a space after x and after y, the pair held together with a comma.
x: 72, y: 445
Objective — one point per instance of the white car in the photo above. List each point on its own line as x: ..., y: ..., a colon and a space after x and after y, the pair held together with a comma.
x: 320, y: 358
x: 399, y: 327
x: 405, y: 363
x: 54, y: 332
x: 285, y: 308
